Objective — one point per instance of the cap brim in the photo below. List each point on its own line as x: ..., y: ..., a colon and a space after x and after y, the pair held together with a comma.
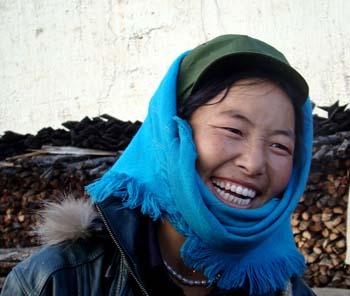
x: 247, y: 60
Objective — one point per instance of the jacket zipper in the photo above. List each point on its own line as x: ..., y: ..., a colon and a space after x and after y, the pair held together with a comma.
x: 144, y: 292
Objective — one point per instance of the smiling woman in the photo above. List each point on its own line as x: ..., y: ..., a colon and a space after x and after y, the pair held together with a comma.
x: 245, y: 143
x: 200, y: 201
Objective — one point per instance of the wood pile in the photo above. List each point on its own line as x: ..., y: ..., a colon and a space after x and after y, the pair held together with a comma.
x: 30, y: 181
x: 104, y: 132
x: 45, y: 173
x: 337, y: 120
x: 319, y: 222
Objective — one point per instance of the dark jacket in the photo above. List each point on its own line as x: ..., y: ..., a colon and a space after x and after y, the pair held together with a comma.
x: 103, y: 263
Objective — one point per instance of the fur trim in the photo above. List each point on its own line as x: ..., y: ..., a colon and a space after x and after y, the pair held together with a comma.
x: 67, y: 220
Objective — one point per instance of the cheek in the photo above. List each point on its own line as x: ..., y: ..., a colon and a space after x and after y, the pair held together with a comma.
x: 282, y: 171
x: 211, y: 154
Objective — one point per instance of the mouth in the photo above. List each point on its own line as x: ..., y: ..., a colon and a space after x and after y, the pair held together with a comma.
x: 233, y: 194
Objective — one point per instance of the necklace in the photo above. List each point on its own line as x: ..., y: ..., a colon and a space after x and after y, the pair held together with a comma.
x: 184, y: 280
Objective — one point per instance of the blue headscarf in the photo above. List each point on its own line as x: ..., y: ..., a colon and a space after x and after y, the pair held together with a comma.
x: 157, y: 173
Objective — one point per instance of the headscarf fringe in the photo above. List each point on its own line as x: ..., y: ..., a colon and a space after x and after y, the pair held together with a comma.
x: 262, y: 278
x: 133, y: 193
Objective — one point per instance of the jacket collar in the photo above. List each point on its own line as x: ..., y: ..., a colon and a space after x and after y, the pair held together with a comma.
x: 123, y: 225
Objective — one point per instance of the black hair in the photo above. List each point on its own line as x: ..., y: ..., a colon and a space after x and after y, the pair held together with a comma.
x: 217, y: 81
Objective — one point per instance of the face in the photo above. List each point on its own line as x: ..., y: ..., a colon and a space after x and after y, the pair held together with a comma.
x: 245, y: 143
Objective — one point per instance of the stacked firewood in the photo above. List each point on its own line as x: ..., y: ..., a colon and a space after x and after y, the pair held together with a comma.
x: 337, y: 120
x: 104, y: 132
x: 319, y: 222
x: 45, y: 173
x: 30, y: 181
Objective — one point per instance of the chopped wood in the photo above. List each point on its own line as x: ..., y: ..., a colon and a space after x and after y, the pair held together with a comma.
x: 74, y: 150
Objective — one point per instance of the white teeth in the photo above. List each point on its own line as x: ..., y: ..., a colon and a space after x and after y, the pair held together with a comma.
x: 228, y: 186
x: 245, y: 192
x: 252, y: 193
x: 232, y: 198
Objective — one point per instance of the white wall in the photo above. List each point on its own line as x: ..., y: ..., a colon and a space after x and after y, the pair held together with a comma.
x: 63, y: 59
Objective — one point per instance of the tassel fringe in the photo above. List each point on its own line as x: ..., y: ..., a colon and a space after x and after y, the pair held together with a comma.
x: 261, y: 278
x: 129, y: 190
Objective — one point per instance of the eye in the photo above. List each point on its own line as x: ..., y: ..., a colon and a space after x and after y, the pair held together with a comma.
x: 234, y: 131
x: 281, y: 147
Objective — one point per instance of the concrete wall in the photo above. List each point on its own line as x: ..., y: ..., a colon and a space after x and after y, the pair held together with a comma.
x: 63, y: 59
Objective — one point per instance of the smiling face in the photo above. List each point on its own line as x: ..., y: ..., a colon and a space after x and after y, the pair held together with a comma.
x: 245, y: 143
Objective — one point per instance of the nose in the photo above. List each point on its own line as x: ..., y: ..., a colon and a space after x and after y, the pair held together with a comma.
x: 252, y: 160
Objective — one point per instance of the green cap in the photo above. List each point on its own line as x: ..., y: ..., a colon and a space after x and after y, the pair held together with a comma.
x: 239, y: 52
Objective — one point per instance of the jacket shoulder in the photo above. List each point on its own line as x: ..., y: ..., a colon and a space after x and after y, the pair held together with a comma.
x: 33, y: 273
x: 73, y: 235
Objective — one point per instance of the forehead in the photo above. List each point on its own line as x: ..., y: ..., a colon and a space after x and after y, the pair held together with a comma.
x: 252, y: 89
x: 262, y: 101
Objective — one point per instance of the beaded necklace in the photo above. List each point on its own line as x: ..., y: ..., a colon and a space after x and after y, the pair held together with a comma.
x: 182, y: 279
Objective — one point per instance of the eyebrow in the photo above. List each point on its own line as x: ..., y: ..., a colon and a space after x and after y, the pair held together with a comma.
x: 237, y: 115
x: 285, y: 132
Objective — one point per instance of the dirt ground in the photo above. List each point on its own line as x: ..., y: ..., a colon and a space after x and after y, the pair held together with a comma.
x: 331, y: 292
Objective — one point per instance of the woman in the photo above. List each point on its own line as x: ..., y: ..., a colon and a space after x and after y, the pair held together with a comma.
x: 200, y: 201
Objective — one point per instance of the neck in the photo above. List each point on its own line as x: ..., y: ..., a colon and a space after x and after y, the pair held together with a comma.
x: 170, y: 242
